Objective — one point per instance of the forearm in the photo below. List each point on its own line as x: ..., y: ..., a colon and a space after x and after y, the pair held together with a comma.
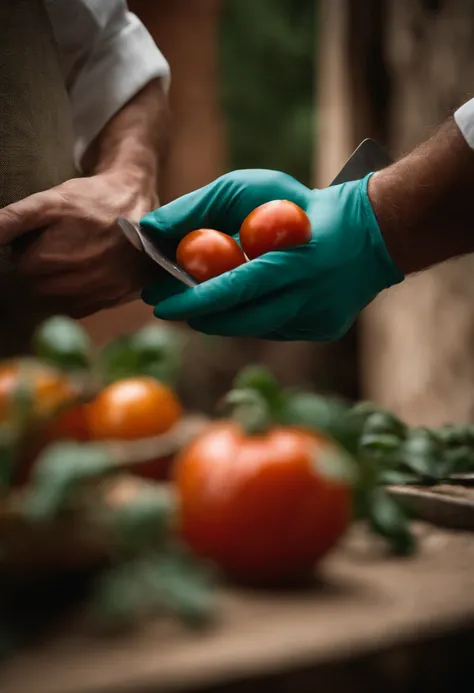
x: 424, y: 203
x: 134, y: 141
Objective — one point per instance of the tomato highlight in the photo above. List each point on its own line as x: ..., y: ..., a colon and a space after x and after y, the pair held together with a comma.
x: 207, y: 253
x: 133, y: 408
x: 275, y: 225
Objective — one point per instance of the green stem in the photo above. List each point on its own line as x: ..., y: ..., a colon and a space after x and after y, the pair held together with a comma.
x: 250, y: 410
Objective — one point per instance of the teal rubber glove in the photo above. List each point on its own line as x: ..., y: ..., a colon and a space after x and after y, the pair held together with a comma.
x: 309, y: 292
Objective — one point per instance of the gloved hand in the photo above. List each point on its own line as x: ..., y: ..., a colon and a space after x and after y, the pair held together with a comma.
x: 309, y: 292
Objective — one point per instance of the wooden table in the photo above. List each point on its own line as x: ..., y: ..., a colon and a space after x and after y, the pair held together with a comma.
x: 364, y: 603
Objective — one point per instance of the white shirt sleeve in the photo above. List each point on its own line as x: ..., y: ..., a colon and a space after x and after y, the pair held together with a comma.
x: 108, y: 56
x: 464, y: 118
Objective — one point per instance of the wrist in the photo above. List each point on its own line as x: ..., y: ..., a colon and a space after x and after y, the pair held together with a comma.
x: 387, y: 268
x: 424, y: 203
x: 135, y: 182
x: 129, y: 161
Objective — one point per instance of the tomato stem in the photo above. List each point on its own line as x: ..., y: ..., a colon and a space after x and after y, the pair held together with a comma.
x: 250, y: 410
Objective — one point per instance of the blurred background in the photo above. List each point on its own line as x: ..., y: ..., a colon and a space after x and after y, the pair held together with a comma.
x: 295, y: 85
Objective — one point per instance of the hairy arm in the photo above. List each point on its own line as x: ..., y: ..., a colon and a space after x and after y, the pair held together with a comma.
x: 424, y: 203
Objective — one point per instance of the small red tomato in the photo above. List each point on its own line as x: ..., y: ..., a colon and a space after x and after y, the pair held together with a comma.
x: 273, y: 226
x: 206, y: 253
x: 71, y: 424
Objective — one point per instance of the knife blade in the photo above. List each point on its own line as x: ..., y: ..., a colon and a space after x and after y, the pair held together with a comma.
x: 369, y: 156
x: 141, y: 239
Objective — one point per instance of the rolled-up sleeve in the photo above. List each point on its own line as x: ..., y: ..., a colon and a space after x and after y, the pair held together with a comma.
x: 108, y: 57
x: 464, y: 118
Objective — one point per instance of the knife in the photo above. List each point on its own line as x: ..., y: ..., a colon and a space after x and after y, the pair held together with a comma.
x: 369, y: 156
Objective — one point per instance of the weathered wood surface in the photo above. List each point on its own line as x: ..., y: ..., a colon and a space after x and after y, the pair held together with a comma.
x: 365, y: 603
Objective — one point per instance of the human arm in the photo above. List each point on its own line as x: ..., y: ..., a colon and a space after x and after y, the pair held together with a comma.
x: 108, y: 57
x: 423, y: 204
x: 68, y: 244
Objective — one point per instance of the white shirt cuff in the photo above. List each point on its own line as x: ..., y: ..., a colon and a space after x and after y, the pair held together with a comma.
x: 127, y: 62
x: 464, y: 118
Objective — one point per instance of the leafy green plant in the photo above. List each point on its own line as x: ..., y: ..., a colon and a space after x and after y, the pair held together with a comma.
x: 155, y: 351
x: 385, y: 449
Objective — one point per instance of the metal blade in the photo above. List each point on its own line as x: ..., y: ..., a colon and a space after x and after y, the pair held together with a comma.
x: 140, y: 238
x: 369, y: 156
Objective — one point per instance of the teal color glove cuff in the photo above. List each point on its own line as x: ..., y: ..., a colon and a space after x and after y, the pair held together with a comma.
x: 390, y: 274
x: 310, y: 292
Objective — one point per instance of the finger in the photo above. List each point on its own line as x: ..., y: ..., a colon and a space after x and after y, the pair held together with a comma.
x: 160, y: 291
x: 32, y: 213
x: 224, y: 203
x: 186, y: 213
x: 244, y: 284
x: 264, y: 316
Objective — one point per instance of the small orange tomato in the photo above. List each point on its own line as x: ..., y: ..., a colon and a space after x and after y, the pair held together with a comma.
x: 49, y: 388
x: 133, y: 408
x: 206, y: 253
x: 264, y: 508
x: 275, y: 225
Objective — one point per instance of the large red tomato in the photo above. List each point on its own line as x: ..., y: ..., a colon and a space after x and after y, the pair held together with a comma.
x: 133, y: 408
x: 274, y: 225
x: 264, y: 508
x: 206, y: 253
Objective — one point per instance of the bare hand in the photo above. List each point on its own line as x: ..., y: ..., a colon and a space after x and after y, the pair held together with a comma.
x: 67, y: 244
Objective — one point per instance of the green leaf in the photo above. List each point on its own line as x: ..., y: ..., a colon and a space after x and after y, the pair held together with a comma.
x: 169, y: 580
x: 21, y: 402
x: 118, y: 595
x: 184, y: 584
x: 360, y: 412
x: 314, y: 411
x: 64, y: 343
x: 332, y: 462
x: 456, y: 435
x: 368, y: 480
x: 249, y: 409
x: 397, y: 476
x: 381, y: 443
x: 155, y: 351
x: 422, y: 453
x: 145, y: 519
x: 160, y: 351
x: 118, y: 360
x: 380, y: 422
x: 60, y: 469
x: 321, y: 414
x: 458, y: 460
x: 8, y: 457
x: 263, y: 382
x: 388, y: 519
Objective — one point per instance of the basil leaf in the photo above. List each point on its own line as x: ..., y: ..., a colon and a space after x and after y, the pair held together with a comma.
x: 62, y: 342
x: 388, y: 519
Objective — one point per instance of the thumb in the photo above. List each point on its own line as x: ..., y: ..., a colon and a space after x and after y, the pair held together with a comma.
x: 177, y: 218
x: 32, y: 213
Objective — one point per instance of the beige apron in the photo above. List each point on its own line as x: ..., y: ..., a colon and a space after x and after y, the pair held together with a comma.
x: 35, y: 144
